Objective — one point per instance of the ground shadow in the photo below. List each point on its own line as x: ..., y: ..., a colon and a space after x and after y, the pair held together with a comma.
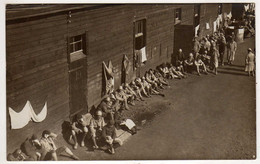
x: 241, y: 66
x: 233, y: 73
x: 66, y: 131
x: 232, y: 69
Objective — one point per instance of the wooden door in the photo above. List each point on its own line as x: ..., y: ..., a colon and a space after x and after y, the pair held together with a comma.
x: 77, y: 89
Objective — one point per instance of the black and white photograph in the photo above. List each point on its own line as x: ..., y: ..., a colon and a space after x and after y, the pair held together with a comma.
x: 130, y: 81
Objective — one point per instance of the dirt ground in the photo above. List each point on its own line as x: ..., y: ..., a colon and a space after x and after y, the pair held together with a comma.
x: 201, y: 117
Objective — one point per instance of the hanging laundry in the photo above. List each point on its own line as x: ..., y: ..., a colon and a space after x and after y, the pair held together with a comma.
x: 143, y: 55
x: 214, y: 26
x: 207, y: 26
x: 21, y: 119
x: 108, y: 86
x: 246, y: 7
x: 125, y: 69
x: 220, y: 17
x: 41, y: 116
x: 229, y: 15
x: 218, y: 23
x: 197, y: 30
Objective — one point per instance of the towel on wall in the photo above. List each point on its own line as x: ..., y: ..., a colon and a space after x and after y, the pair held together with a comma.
x: 207, y: 26
x: 22, y: 118
x: 229, y: 15
x: 214, y: 26
x: 108, y: 85
x: 196, y: 30
x: 126, y: 64
x: 143, y: 55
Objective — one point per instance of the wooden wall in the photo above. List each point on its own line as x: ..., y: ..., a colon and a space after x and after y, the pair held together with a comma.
x: 37, y: 71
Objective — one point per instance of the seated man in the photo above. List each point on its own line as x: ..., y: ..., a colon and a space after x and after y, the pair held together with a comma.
x: 175, y: 73
x: 148, y: 78
x: 199, y: 63
x: 147, y: 86
x: 205, y: 58
x: 49, y: 148
x: 32, y: 148
x: 96, y: 125
x: 164, y: 70
x: 189, y: 63
x: 79, y: 126
x: 137, y: 90
x: 161, y: 79
x: 129, y: 96
x: 130, y: 91
x: 155, y: 79
x: 141, y: 86
x: 109, y: 136
x: 122, y: 97
x: 106, y: 106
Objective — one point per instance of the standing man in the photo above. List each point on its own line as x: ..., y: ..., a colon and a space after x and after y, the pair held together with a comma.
x: 250, y: 62
x: 222, y: 47
x: 196, y: 45
x: 231, y: 50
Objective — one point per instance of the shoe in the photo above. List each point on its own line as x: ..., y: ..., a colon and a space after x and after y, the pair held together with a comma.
x: 82, y: 144
x: 75, y: 157
x: 75, y: 146
x: 112, y: 151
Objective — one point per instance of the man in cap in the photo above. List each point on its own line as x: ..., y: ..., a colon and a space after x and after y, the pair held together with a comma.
x: 80, y: 126
x: 109, y: 136
x: 180, y: 58
x: 250, y: 62
x: 50, y: 150
x: 32, y: 147
x: 96, y: 125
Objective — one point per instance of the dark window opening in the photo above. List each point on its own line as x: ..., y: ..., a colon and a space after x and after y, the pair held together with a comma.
x: 196, y: 15
x: 219, y: 9
x: 140, y: 34
x: 177, y: 15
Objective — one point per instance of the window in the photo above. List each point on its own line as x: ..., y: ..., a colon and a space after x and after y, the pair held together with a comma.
x: 140, y: 34
x: 177, y: 15
x: 196, y: 15
x: 219, y: 9
x: 77, y: 47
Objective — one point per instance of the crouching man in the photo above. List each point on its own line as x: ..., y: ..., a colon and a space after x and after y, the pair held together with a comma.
x: 109, y: 136
x: 79, y: 125
x: 50, y: 151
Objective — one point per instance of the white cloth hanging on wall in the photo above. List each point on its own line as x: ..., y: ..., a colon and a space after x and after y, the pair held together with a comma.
x: 143, y: 55
x: 246, y: 7
x: 196, y: 30
x: 207, y: 26
x: 214, y: 26
x: 21, y: 119
x: 229, y: 15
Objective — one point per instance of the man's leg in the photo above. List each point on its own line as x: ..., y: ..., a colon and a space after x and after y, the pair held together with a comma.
x: 67, y: 151
x: 198, y: 69
x: 85, y: 132
x: 73, y: 132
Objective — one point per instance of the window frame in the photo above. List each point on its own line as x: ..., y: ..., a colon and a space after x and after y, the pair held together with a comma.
x: 74, y: 55
x: 140, y: 33
x: 177, y: 20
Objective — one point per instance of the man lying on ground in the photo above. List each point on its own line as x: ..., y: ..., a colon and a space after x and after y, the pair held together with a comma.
x: 32, y: 147
x: 50, y: 151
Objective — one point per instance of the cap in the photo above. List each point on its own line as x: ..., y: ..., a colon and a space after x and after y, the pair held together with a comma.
x: 249, y: 49
x: 120, y: 87
x: 99, y: 113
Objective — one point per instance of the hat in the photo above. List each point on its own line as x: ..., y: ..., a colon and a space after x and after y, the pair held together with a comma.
x: 34, y: 137
x: 45, y: 132
x: 120, y: 87
x: 249, y: 49
x: 99, y: 113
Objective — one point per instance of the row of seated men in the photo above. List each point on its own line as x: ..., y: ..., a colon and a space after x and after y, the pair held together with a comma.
x: 101, y: 126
